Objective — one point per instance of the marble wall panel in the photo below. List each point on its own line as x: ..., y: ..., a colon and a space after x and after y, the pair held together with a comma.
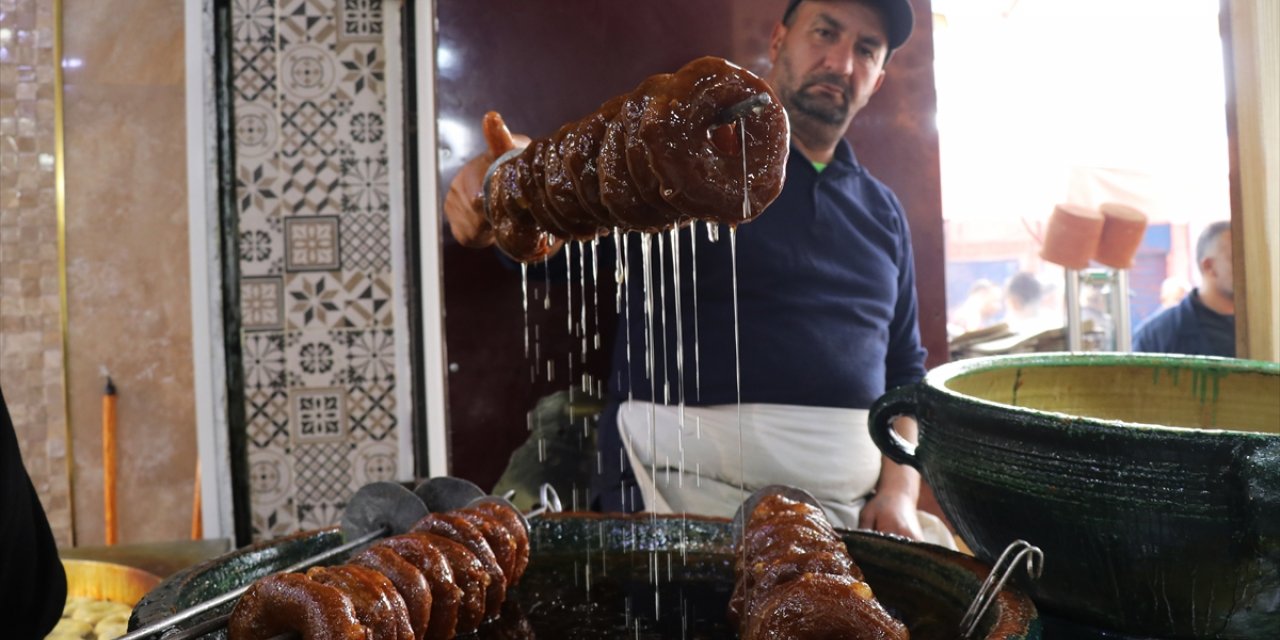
x: 129, y: 300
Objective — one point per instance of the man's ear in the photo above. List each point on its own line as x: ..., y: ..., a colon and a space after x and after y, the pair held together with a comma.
x: 775, y: 42
x: 879, y: 81
x: 1207, y: 264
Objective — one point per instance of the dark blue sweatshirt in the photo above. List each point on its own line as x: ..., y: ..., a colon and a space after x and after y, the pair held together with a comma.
x: 826, y: 301
x: 826, y: 310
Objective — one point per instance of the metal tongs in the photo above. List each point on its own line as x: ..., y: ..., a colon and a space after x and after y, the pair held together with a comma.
x: 1000, y: 573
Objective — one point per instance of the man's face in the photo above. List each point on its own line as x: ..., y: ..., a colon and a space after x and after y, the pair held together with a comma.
x: 829, y: 62
x: 1217, y: 269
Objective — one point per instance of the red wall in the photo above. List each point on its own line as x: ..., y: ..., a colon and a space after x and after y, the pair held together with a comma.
x: 542, y: 64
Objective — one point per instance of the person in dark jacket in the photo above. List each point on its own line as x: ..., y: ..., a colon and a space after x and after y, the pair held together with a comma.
x: 33, y: 585
x: 1204, y: 322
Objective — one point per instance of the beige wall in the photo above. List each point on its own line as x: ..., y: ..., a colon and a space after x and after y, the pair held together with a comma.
x: 128, y: 301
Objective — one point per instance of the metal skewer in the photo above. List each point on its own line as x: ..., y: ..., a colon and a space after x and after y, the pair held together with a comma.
x: 754, y: 104
x: 367, y: 508
x: 187, y: 614
x: 493, y: 168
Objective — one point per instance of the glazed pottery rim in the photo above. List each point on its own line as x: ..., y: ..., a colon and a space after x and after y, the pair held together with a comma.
x: 936, y: 380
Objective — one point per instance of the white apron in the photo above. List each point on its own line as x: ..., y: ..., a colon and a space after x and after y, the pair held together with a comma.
x: 698, y: 466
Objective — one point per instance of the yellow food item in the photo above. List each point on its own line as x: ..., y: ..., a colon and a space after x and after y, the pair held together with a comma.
x: 95, y: 610
x: 67, y: 626
x: 88, y: 619
x: 112, y: 626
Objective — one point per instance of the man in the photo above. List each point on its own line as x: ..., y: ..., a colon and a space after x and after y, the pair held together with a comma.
x: 1204, y: 322
x: 782, y: 358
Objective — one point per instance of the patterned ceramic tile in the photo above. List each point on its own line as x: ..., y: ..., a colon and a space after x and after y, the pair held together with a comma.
x: 363, y: 68
x: 311, y: 185
x: 267, y: 413
x: 308, y: 21
x: 365, y: 187
x: 368, y: 303
x: 264, y: 360
x: 318, y: 415
x: 365, y: 128
x: 366, y: 241
x: 319, y: 515
x: 316, y: 358
x: 253, y: 22
x: 258, y: 185
x: 310, y: 128
x: 323, y: 472
x: 311, y: 243
x: 374, y: 462
x: 372, y: 407
x: 272, y: 521
x: 370, y: 356
x: 315, y: 300
x: 254, y: 72
x: 308, y: 72
x: 261, y: 253
x: 257, y: 131
x: 262, y: 303
x: 270, y: 476
x: 360, y: 20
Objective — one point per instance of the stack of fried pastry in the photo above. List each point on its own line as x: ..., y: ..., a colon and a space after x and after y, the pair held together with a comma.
x: 795, y: 580
x: 445, y: 577
x: 648, y: 160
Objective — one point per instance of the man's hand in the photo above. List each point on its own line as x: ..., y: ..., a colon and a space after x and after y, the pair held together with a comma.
x: 463, y: 206
x: 891, y: 513
x: 893, y: 507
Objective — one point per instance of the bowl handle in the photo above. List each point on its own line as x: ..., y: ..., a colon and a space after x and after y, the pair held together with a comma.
x: 895, y: 402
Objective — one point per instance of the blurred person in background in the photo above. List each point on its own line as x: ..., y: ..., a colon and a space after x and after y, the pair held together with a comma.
x: 1024, y: 305
x: 1204, y: 322
x: 979, y: 310
x: 1173, y: 290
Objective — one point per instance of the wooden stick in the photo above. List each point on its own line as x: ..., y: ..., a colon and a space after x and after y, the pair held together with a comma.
x: 109, y: 461
x: 197, y: 521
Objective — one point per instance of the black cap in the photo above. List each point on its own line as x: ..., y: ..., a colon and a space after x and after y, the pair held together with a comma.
x: 898, y: 18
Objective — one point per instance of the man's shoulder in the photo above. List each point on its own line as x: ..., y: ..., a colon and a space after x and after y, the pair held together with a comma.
x: 876, y: 197
x: 1162, y: 318
x: 1160, y: 331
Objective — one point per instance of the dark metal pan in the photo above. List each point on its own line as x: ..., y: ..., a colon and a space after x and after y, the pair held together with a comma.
x: 591, y: 576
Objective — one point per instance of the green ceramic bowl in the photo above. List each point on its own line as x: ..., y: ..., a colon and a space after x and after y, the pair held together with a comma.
x: 1151, y: 482
x: 590, y: 577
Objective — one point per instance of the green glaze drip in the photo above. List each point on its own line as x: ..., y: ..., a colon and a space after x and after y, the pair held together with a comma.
x: 1217, y: 382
